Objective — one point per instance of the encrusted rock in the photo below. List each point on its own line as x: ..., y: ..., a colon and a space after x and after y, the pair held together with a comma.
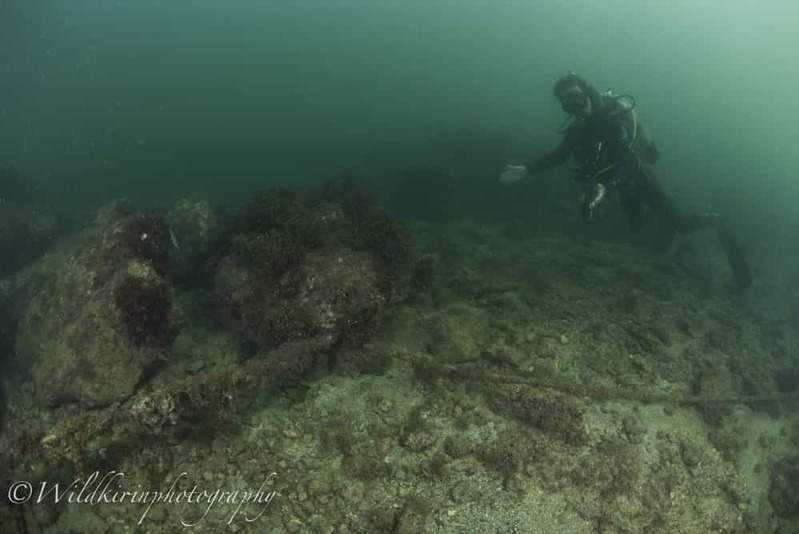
x: 193, y: 224
x: 94, y: 315
x: 331, y: 295
x: 321, y: 266
x: 160, y: 410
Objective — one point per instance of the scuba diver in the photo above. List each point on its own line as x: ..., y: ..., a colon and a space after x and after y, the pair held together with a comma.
x: 614, y: 152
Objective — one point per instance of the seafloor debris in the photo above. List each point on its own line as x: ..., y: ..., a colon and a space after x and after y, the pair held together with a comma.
x: 579, y: 386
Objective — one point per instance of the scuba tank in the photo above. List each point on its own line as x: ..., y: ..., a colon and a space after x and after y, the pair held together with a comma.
x: 624, y: 102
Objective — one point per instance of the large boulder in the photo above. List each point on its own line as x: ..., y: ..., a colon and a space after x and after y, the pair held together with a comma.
x: 95, y: 315
x: 331, y: 296
x: 320, y: 266
x: 194, y: 225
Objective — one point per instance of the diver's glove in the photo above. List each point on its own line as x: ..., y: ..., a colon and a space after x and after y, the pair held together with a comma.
x: 592, y: 198
x: 513, y: 173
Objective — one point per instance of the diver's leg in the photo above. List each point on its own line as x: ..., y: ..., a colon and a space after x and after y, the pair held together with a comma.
x: 667, y: 213
x: 632, y: 206
x: 670, y: 216
x: 672, y: 221
x: 736, y: 257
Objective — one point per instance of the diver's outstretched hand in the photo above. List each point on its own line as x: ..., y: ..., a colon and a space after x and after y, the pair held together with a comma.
x: 513, y: 173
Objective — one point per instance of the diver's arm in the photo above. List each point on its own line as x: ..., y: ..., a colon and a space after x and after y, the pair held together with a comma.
x: 514, y: 173
x: 556, y: 157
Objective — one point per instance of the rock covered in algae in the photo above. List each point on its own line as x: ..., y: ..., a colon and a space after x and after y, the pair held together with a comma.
x: 321, y: 266
x: 95, y: 314
x: 334, y: 296
x: 193, y: 225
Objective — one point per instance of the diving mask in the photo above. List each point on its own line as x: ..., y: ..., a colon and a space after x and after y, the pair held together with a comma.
x: 573, y: 100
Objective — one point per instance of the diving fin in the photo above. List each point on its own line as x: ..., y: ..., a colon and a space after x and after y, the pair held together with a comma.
x: 735, y: 256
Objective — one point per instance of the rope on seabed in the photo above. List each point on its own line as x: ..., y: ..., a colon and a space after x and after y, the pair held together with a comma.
x: 603, y: 392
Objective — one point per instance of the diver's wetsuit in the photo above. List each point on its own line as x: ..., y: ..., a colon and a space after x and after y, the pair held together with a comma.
x: 611, y: 148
